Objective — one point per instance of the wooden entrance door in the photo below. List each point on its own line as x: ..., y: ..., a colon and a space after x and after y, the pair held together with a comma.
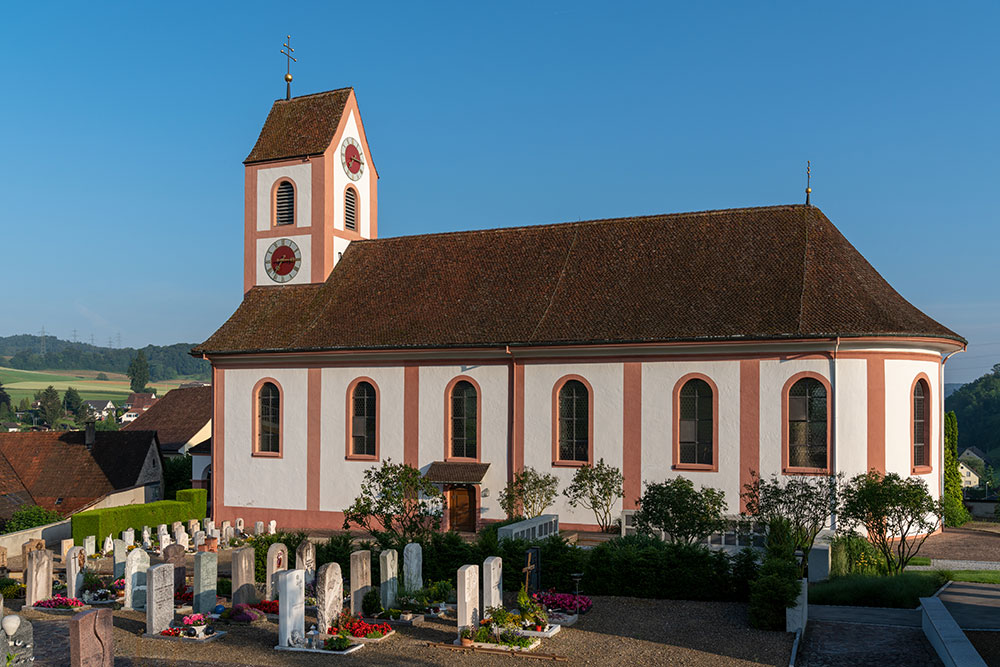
x: 462, y: 508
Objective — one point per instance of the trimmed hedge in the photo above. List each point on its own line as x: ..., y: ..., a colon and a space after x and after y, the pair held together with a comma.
x: 190, y: 504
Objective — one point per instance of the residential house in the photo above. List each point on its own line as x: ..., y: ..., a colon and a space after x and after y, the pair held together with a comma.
x: 969, y: 476
x: 100, y: 409
x: 181, y: 419
x: 975, y: 456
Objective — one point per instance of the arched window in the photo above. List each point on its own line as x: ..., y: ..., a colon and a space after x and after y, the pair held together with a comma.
x: 463, y: 420
x: 351, y: 209
x: 921, y: 425
x: 268, y: 418
x: 574, y: 422
x: 696, y: 416
x: 363, y: 422
x: 807, y: 424
x: 284, y: 204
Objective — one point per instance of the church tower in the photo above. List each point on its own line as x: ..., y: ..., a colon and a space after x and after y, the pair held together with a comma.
x: 310, y: 189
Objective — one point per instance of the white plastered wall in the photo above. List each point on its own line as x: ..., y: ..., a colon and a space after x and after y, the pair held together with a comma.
x: 899, y: 377
x: 301, y: 176
x: 340, y: 182
x: 340, y: 479
x: 492, y: 381
x: 851, y: 425
x: 267, y: 482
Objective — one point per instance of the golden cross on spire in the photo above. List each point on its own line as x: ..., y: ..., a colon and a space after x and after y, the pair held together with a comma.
x: 808, y: 180
x: 287, y: 52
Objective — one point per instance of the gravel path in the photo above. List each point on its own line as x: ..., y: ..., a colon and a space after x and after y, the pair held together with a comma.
x: 963, y: 544
x: 838, y: 644
x: 616, y: 631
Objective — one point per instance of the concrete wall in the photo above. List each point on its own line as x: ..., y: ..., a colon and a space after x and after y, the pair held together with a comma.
x: 51, y: 533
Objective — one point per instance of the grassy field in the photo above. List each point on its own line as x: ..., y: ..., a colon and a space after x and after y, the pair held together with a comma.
x: 23, y: 384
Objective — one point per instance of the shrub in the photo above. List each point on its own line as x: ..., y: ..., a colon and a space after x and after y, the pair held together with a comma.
x: 902, y: 591
x: 371, y: 603
x: 597, y: 488
x: 30, y: 516
x: 224, y: 587
x: 684, y: 514
x: 337, y: 549
x: 261, y: 543
x: 852, y: 554
x: 529, y: 493
x: 396, y: 499
x: 176, y: 475
x: 778, y: 585
x: 190, y: 504
x: 746, y: 569
x: 955, y: 513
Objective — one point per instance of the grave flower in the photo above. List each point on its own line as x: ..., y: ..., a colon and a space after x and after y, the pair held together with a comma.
x: 266, y: 606
x: 59, y: 602
x: 118, y: 585
x: 195, y: 620
x: 172, y: 632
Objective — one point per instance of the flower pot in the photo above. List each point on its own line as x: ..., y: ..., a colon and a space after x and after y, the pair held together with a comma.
x: 466, y: 641
x: 200, y: 631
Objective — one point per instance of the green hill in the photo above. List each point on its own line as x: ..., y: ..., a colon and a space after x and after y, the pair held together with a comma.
x: 977, y: 406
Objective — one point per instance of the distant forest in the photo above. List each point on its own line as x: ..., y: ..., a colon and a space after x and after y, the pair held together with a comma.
x: 977, y: 406
x: 165, y: 362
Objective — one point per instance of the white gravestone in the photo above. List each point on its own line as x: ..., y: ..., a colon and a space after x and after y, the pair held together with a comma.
x: 329, y: 595
x: 147, y: 543
x: 305, y: 560
x: 468, y: 597
x: 388, y: 562
x: 76, y: 563
x: 272, y: 527
x: 239, y: 524
x: 89, y: 545
x: 109, y: 545
x: 38, y: 577
x: 159, y: 598
x: 119, y: 551
x: 292, y: 610
x: 413, y: 567
x: 361, y: 578
x: 209, y: 526
x: 492, y: 582
x: 128, y: 537
x: 199, y: 538
x: 258, y: 528
x: 136, y: 565
x: 277, y: 561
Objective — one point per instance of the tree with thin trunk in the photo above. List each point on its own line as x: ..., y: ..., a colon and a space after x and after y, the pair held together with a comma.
x: 597, y: 488
x: 138, y: 372
x: 52, y: 406
x: 529, y: 493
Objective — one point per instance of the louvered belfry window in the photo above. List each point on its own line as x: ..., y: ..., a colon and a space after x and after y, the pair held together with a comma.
x: 285, y: 203
x: 807, y: 428
x: 574, y: 422
x: 363, y: 420
x: 920, y: 392
x: 351, y: 209
x: 696, y: 423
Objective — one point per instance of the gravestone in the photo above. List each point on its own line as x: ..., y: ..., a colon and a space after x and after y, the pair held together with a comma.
x: 258, y: 528
x: 174, y: 555
x: 413, y: 567
x: 76, y: 563
x: 136, y: 565
x: 64, y: 547
x: 147, y: 542
x: 90, y: 640
x: 277, y: 561
x: 209, y: 525
x: 239, y: 524
x: 329, y: 595
x: 182, y: 539
x: 38, y: 577
x: 206, y: 574
x: 119, y: 551
x: 109, y: 545
x: 361, y: 578
x: 244, y: 590
x: 492, y: 582
x: 159, y: 598
x: 3, y: 557
x: 468, y: 597
x: 199, y: 538
x: 291, y: 587
x: 212, y: 544
x: 128, y: 537
x: 226, y: 524
x: 305, y: 560
x: 31, y: 545
x: 227, y: 535
x: 89, y: 545
x: 388, y: 562
x: 193, y: 526
x: 533, y: 568
x: 176, y: 525
x: 272, y: 527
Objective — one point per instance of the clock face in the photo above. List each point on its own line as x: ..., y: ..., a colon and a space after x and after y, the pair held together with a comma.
x: 352, y: 159
x: 282, y: 260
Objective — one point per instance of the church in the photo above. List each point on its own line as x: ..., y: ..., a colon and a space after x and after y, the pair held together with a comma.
x: 709, y: 345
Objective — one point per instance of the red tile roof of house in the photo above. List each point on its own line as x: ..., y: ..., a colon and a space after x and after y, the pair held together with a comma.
x: 741, y: 274
x: 176, y: 417
x: 300, y: 126
x: 49, y: 465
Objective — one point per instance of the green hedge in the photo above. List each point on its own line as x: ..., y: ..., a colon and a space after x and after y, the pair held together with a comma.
x: 190, y: 504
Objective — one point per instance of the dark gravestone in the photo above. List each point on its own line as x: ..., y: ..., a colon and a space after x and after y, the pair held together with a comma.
x: 533, y: 569
x: 174, y: 554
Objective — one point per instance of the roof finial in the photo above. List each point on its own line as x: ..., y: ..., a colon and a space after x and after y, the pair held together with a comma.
x: 288, y: 70
x: 808, y: 179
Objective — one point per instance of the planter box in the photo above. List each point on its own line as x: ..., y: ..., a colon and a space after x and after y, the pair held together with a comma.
x: 359, y: 640
x: 201, y: 640
x: 350, y: 649
x: 563, y: 619
x: 550, y: 631
x: 513, y: 649
x: 415, y: 619
x: 57, y: 610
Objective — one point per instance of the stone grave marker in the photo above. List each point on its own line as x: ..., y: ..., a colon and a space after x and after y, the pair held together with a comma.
x: 305, y: 559
x: 173, y: 554
x: 64, y: 547
x: 492, y: 582
x: 361, y: 578
x: 533, y: 569
x: 3, y: 557
x: 176, y: 525
x: 76, y: 563
x: 136, y: 566
x: 119, y: 551
x: 181, y: 538
x: 329, y: 595
x: 109, y: 546
x: 413, y: 567
x: 209, y: 525
x: 128, y: 537
x: 388, y: 562
x: 226, y: 524
x: 277, y: 561
x: 258, y: 528
x: 90, y: 640
x: 272, y: 527
x: 31, y: 545
x: 199, y: 538
x: 206, y: 574
x: 244, y: 590
x: 291, y: 587
x: 90, y: 545
x: 38, y: 577
x: 468, y: 597
x: 147, y: 542
x: 193, y: 526
x: 239, y: 524
x: 159, y: 598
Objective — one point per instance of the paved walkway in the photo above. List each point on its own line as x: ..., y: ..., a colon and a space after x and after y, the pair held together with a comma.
x: 973, y: 606
x: 827, y: 644
x: 900, y: 618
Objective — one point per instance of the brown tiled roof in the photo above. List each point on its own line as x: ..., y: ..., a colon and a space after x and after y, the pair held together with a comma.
x: 300, y: 126
x: 176, y: 417
x: 454, y: 472
x: 49, y: 465
x: 739, y: 274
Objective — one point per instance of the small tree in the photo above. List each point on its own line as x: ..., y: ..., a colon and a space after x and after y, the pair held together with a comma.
x: 529, y: 494
x: 5, y: 397
x: 108, y: 424
x: 597, y: 488
x: 898, y: 514
x: 30, y: 516
x: 806, y: 503
x: 52, y: 407
x: 84, y: 414
x: 684, y: 514
x: 176, y: 475
x: 396, y: 501
x: 777, y: 585
x: 72, y: 400
x: 138, y: 372
x: 955, y: 513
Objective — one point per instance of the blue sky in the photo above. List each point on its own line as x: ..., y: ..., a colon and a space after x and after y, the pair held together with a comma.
x: 124, y: 127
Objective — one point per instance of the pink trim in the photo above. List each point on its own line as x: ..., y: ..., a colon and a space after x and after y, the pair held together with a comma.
x: 676, y: 425
x: 348, y: 452
x: 255, y: 419
x: 876, y: 413
x: 411, y: 415
x: 749, y: 423
x: 321, y: 246
x: 928, y: 426
x: 632, y: 433
x: 556, y: 388
x: 447, y: 419
x: 517, y: 460
x: 357, y: 210
x: 218, y: 438
x: 313, y: 438
x: 785, y: 468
